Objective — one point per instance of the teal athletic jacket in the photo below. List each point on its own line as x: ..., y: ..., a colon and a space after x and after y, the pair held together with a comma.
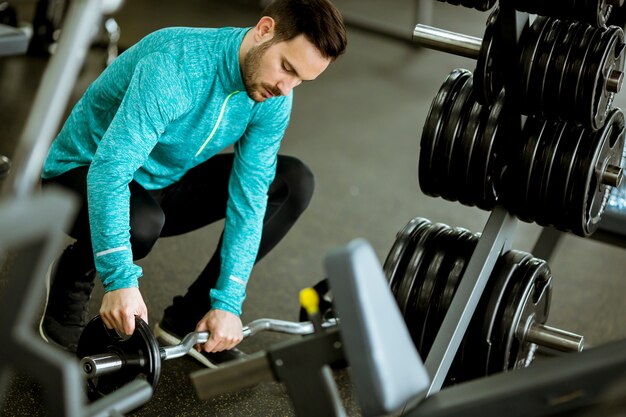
x: 164, y: 106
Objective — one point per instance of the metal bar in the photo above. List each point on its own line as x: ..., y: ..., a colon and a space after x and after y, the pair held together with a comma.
x: 52, y: 97
x: 446, y: 41
x: 554, y: 338
x: 176, y: 351
x: 102, y: 364
x: 495, y: 239
x: 282, y: 326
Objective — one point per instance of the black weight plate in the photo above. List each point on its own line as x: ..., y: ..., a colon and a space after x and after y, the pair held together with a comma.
x: 564, y: 62
x: 461, y: 249
x: 608, y: 56
x: 456, y: 264
x: 497, y: 292
x: 570, y: 106
x: 462, y: 161
x: 549, y: 162
x: 554, y: 71
x: 533, y: 130
x: 534, y: 198
x: 434, y: 278
x: 607, y: 147
x: 564, y: 178
x: 484, y: 171
x: 417, y: 297
x: 585, y: 110
x: 397, y: 259
x: 447, y: 183
x: 435, y: 120
x: 578, y: 184
x: 529, y: 301
x: 488, y: 81
x: 537, y: 74
x: 418, y: 243
x: 546, y: 62
x: 528, y: 59
x: 140, y: 353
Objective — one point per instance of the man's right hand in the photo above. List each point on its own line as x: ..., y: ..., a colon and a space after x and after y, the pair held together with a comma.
x: 120, y: 307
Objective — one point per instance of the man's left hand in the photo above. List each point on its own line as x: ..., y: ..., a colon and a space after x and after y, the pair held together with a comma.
x: 225, y: 330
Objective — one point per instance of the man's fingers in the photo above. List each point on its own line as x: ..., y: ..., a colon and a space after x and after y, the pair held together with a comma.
x: 128, y: 324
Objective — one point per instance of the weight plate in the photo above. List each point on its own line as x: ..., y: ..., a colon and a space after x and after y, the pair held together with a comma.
x: 565, y: 58
x: 447, y: 183
x: 465, y: 248
x: 564, y: 178
x: 397, y: 259
x: 537, y: 74
x: 435, y: 120
x: 484, y: 172
x: 411, y: 275
x: 484, y: 351
x: 529, y: 42
x: 433, y: 283
x: 550, y: 102
x: 488, y: 79
x: 417, y: 296
x: 462, y: 160
x: 140, y: 353
x: 606, y: 147
x: 534, y: 198
x: 528, y: 158
x: 528, y: 302
x: 608, y: 57
x: 574, y: 76
x: 545, y: 211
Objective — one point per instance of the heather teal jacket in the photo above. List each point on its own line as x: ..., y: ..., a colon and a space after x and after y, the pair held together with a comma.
x: 167, y: 104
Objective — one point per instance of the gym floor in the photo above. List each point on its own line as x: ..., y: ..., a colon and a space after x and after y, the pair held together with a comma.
x: 358, y: 128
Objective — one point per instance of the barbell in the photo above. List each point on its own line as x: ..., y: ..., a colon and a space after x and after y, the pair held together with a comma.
x: 108, y: 361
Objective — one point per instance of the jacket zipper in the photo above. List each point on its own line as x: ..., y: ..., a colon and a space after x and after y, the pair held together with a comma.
x: 219, y: 120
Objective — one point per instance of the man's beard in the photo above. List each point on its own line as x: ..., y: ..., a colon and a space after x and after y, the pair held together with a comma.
x: 251, y: 69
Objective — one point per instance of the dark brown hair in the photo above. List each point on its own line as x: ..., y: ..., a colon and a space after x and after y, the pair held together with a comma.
x: 318, y: 20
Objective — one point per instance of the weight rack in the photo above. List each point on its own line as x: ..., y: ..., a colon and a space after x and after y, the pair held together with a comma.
x: 499, y: 230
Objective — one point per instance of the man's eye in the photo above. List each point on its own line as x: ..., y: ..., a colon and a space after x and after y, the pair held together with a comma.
x: 286, y: 68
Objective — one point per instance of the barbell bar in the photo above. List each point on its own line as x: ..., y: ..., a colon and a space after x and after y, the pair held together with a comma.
x: 106, y: 363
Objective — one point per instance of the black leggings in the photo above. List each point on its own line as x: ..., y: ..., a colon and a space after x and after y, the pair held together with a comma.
x: 198, y: 199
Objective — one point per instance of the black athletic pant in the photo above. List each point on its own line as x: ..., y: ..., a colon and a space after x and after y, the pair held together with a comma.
x: 198, y: 199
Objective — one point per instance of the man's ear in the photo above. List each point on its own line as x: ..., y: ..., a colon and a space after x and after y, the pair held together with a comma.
x: 264, y: 29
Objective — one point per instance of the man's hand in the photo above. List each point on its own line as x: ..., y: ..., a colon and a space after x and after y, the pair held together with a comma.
x: 225, y: 330
x: 120, y: 307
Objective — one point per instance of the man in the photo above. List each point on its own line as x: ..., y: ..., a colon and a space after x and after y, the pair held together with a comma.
x: 143, y: 149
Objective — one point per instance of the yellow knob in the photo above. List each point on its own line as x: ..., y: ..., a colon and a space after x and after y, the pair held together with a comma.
x: 309, y: 300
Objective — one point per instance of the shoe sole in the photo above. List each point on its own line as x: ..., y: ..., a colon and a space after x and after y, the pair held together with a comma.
x: 171, y: 339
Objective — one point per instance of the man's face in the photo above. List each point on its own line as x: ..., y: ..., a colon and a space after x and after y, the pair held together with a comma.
x: 274, y: 69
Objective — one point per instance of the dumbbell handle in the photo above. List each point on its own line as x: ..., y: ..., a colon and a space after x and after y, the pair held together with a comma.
x: 109, y: 362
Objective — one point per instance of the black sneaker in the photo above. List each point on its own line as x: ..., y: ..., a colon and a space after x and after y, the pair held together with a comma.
x: 178, y: 322
x: 67, y: 301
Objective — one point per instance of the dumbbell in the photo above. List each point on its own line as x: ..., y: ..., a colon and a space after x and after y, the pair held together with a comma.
x: 109, y: 361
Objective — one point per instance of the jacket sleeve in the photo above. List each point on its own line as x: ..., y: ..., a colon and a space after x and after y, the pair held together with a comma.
x: 253, y: 170
x: 157, y: 95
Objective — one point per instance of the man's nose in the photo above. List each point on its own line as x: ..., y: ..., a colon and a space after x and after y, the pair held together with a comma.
x: 285, y: 86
